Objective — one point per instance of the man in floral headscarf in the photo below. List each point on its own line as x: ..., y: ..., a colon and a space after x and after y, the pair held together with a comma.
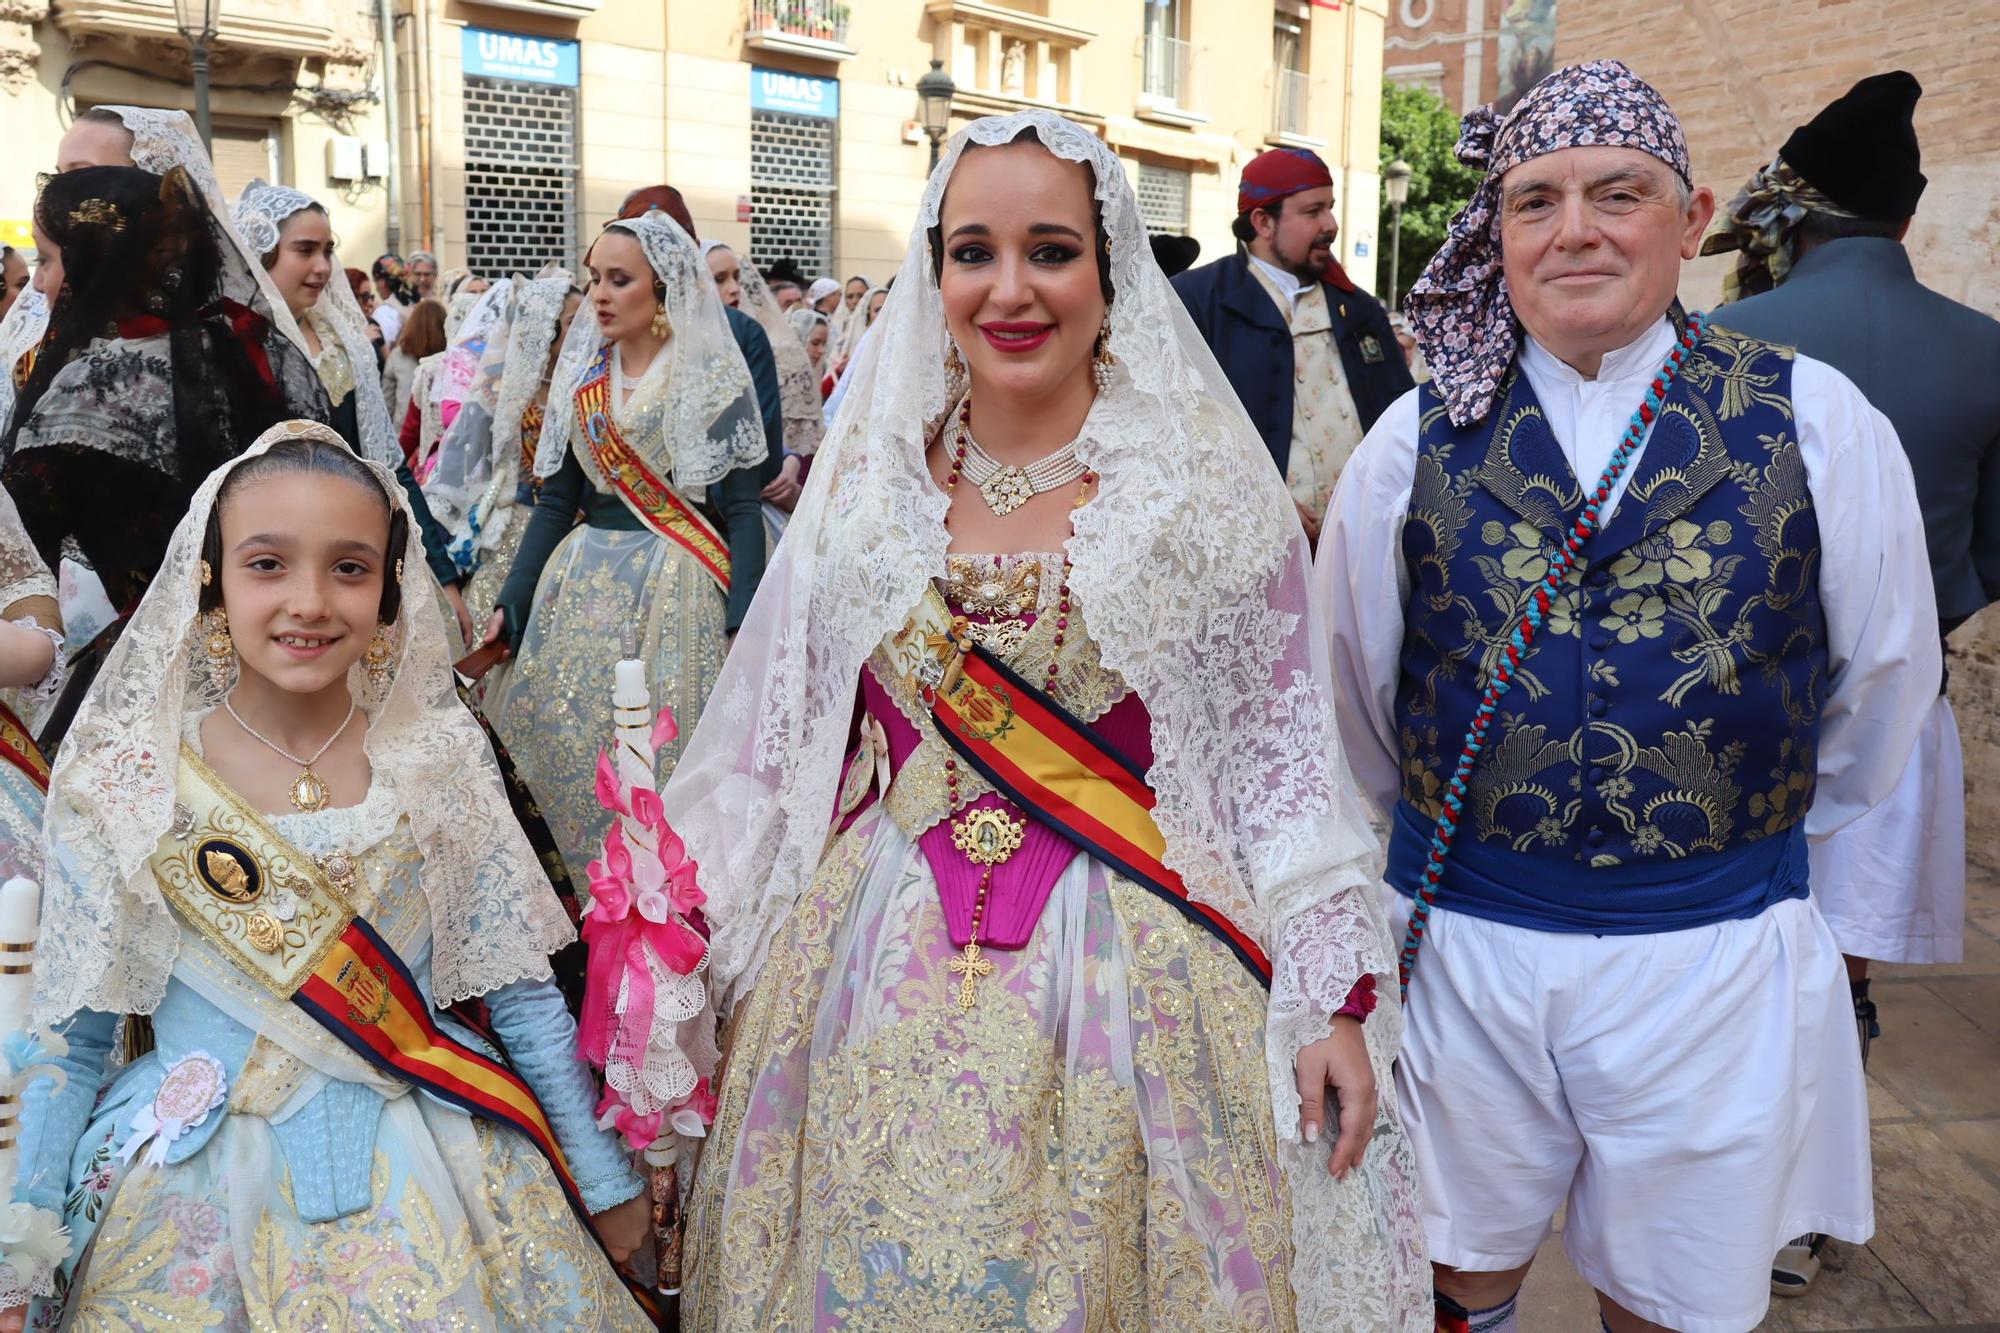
x: 1605, y: 677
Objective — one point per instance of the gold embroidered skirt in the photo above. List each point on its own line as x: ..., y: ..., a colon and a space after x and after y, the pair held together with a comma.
x: 469, y: 1231
x: 600, y: 585
x: 1089, y: 1147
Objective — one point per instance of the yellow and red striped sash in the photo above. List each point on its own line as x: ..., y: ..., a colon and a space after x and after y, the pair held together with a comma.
x: 654, y: 502
x: 1054, y: 766
x: 283, y: 918
x: 18, y: 748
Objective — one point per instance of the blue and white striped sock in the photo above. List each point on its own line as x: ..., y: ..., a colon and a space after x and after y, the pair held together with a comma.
x: 1499, y: 1319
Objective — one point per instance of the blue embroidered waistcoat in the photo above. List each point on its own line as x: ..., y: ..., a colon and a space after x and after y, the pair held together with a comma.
x: 1669, y: 709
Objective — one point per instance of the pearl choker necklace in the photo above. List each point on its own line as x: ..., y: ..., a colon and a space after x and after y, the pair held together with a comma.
x: 1005, y: 487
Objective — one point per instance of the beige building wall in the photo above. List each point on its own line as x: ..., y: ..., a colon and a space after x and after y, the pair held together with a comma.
x: 666, y: 95
x: 130, y: 53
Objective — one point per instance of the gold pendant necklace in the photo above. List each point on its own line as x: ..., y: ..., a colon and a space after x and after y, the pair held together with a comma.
x: 308, y: 791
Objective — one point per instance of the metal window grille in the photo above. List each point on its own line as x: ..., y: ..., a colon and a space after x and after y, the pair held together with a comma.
x: 791, y: 190
x: 1163, y: 199
x: 520, y: 175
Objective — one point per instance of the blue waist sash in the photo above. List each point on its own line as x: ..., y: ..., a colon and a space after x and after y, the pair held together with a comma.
x: 1572, y: 897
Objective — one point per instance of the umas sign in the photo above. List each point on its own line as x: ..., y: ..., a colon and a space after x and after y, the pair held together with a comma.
x: 509, y: 55
x: 794, y: 94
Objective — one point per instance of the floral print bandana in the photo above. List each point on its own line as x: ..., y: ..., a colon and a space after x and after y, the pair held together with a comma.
x: 1459, y: 309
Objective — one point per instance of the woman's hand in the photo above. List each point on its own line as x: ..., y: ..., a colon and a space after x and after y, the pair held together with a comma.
x: 1340, y: 1062
x: 784, y: 492
x: 623, y: 1229
x: 14, y: 1320
x: 454, y: 595
x: 495, y: 625
x: 26, y: 654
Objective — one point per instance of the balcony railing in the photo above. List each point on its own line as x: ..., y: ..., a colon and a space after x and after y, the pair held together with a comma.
x: 819, y: 19
x: 1167, y: 70
x: 1291, y: 100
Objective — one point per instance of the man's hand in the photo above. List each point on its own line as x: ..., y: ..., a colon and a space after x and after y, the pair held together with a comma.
x: 1311, y: 524
x: 1340, y: 1062
x: 784, y: 492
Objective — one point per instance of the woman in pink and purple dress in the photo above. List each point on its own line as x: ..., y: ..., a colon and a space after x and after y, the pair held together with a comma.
x: 1042, y: 942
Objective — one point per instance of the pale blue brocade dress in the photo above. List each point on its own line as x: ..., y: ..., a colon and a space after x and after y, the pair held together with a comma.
x: 314, y: 1203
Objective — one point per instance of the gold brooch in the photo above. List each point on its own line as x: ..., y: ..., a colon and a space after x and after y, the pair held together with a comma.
x: 987, y: 836
x: 97, y: 213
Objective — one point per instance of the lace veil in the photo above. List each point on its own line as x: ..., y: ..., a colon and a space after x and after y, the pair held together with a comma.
x: 22, y: 573
x: 109, y: 938
x: 478, y: 468
x: 161, y: 140
x: 798, y: 387
x: 1190, y: 561
x: 259, y: 215
x: 693, y: 415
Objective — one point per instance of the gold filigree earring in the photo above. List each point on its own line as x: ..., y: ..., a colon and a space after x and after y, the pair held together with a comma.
x: 220, y: 648
x: 661, y: 328
x: 1101, y: 358
x: 207, y: 574
x: 954, y: 364
x: 377, y: 661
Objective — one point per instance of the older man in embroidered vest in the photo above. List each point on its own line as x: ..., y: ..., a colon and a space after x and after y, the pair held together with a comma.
x: 1626, y: 609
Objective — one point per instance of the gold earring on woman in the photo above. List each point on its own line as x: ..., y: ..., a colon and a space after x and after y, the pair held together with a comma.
x: 377, y: 661
x: 661, y: 328
x: 1101, y: 359
x: 221, y: 649
x: 954, y: 364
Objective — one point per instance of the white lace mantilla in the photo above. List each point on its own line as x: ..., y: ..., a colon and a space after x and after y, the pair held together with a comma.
x: 692, y: 416
x: 109, y: 938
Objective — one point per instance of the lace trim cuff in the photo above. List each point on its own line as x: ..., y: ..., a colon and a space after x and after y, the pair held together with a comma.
x: 33, y: 1240
x: 50, y: 685
x: 1361, y: 1000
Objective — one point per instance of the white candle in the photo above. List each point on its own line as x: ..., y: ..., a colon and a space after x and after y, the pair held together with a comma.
x: 20, y: 913
x: 629, y: 684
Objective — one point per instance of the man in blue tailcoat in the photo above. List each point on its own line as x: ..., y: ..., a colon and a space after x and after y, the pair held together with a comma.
x: 1311, y: 355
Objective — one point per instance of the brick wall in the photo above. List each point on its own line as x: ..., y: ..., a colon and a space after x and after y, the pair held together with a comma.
x: 1742, y: 73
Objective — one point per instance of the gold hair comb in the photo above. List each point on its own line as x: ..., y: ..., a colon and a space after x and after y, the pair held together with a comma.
x: 97, y: 213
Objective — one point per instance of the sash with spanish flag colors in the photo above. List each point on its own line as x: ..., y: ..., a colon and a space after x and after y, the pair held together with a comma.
x: 286, y: 920
x: 18, y: 748
x: 655, y: 503
x: 1045, y: 760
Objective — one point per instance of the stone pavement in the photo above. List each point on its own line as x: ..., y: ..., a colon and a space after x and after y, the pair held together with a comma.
x: 1934, y: 1094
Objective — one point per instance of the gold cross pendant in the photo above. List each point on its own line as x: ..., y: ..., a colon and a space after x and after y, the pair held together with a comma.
x: 970, y: 967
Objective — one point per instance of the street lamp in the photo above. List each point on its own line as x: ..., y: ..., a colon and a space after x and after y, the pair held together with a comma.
x: 934, y: 93
x: 197, y: 20
x: 1396, y: 182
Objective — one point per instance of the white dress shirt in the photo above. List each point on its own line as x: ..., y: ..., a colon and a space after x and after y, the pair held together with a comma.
x: 1874, y: 574
x: 1284, y: 280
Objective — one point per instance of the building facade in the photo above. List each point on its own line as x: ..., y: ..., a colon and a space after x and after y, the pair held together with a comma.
x: 1469, y: 52
x: 503, y: 133
x: 296, y: 96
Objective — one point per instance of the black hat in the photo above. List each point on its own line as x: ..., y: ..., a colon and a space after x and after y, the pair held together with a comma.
x: 1174, y: 253
x: 1861, y: 151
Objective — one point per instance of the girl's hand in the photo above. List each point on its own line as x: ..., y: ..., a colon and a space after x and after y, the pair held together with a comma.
x: 623, y: 1229
x: 1339, y: 1061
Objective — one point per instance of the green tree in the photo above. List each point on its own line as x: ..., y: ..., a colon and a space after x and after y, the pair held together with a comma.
x: 1419, y: 128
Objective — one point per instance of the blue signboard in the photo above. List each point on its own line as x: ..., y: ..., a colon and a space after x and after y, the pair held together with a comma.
x: 509, y: 55
x: 794, y: 94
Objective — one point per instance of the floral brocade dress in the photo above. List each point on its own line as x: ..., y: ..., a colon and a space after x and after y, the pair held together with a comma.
x: 1089, y: 1145
x: 320, y: 1194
